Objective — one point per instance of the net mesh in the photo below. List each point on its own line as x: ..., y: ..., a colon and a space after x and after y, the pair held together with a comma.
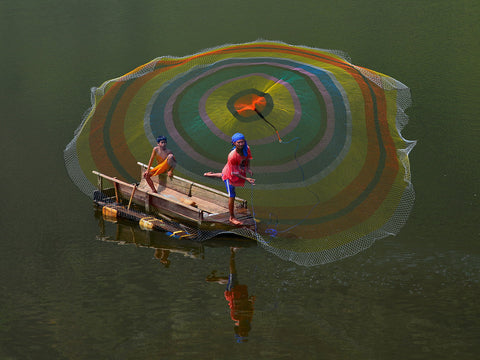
x: 331, y: 166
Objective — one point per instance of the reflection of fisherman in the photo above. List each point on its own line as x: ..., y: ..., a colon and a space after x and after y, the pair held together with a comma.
x: 162, y: 255
x: 235, y: 171
x: 241, y: 305
x: 166, y: 161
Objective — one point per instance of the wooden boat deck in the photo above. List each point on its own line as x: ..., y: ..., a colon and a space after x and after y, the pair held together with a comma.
x: 179, y: 199
x: 210, y: 207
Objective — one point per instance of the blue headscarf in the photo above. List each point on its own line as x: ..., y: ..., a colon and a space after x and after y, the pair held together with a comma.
x: 160, y: 138
x: 239, y: 136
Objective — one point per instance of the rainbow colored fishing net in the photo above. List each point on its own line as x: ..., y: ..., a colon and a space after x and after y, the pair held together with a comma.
x: 331, y: 167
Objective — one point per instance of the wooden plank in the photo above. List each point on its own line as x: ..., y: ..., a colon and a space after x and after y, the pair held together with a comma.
x: 100, y: 183
x: 175, y: 209
x: 124, y: 189
x: 115, y: 185
x: 247, y: 220
x: 215, y: 196
x: 162, y: 203
x: 176, y: 183
x: 210, y: 207
x: 147, y: 202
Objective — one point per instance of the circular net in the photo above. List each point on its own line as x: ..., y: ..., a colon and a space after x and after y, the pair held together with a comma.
x: 331, y: 166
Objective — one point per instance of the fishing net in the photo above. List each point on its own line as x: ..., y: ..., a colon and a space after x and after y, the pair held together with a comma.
x: 331, y: 166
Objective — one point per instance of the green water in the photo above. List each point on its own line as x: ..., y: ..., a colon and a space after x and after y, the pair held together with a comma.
x: 69, y: 291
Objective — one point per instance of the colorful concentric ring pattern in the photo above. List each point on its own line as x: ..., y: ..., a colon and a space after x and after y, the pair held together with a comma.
x: 337, y: 180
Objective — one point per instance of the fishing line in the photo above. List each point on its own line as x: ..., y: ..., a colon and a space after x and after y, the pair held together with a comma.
x: 269, y: 123
x: 253, y: 209
x: 272, y: 232
x: 306, y: 187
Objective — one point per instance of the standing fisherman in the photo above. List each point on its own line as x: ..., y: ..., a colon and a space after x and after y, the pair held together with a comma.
x: 235, y: 171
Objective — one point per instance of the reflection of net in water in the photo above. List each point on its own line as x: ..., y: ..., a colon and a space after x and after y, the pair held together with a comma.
x: 330, y: 164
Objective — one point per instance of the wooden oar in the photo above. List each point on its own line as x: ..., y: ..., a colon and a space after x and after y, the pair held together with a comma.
x: 115, y: 185
x: 131, y: 196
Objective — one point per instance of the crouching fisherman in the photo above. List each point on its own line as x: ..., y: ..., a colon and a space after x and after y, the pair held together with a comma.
x: 165, y: 159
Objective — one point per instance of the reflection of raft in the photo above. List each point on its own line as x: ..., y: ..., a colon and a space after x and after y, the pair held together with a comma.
x: 126, y: 234
x: 177, y: 199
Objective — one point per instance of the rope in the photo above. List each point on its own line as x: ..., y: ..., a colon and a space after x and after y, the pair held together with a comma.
x: 269, y: 123
x: 272, y: 232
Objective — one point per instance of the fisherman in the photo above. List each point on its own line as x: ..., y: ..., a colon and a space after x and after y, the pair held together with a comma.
x: 166, y: 162
x: 235, y: 172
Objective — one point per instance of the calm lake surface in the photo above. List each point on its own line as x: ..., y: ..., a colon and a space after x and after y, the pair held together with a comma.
x: 75, y: 287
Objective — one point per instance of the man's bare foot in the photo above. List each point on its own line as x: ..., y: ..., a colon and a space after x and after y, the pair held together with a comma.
x: 212, y: 174
x: 235, y: 221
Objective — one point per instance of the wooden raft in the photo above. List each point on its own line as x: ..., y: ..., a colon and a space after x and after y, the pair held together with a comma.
x: 179, y: 199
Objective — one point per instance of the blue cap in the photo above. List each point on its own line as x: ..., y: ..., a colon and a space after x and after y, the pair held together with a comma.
x: 160, y: 138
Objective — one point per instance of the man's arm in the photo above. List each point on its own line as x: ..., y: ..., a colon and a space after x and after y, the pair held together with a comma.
x: 250, y: 180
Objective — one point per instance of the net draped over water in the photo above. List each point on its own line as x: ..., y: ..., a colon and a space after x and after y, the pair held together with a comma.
x: 330, y: 163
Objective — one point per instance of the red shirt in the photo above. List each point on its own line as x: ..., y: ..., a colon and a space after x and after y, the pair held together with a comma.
x: 236, y: 163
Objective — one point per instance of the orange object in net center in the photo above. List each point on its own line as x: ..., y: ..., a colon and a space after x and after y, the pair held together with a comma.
x: 246, y: 105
